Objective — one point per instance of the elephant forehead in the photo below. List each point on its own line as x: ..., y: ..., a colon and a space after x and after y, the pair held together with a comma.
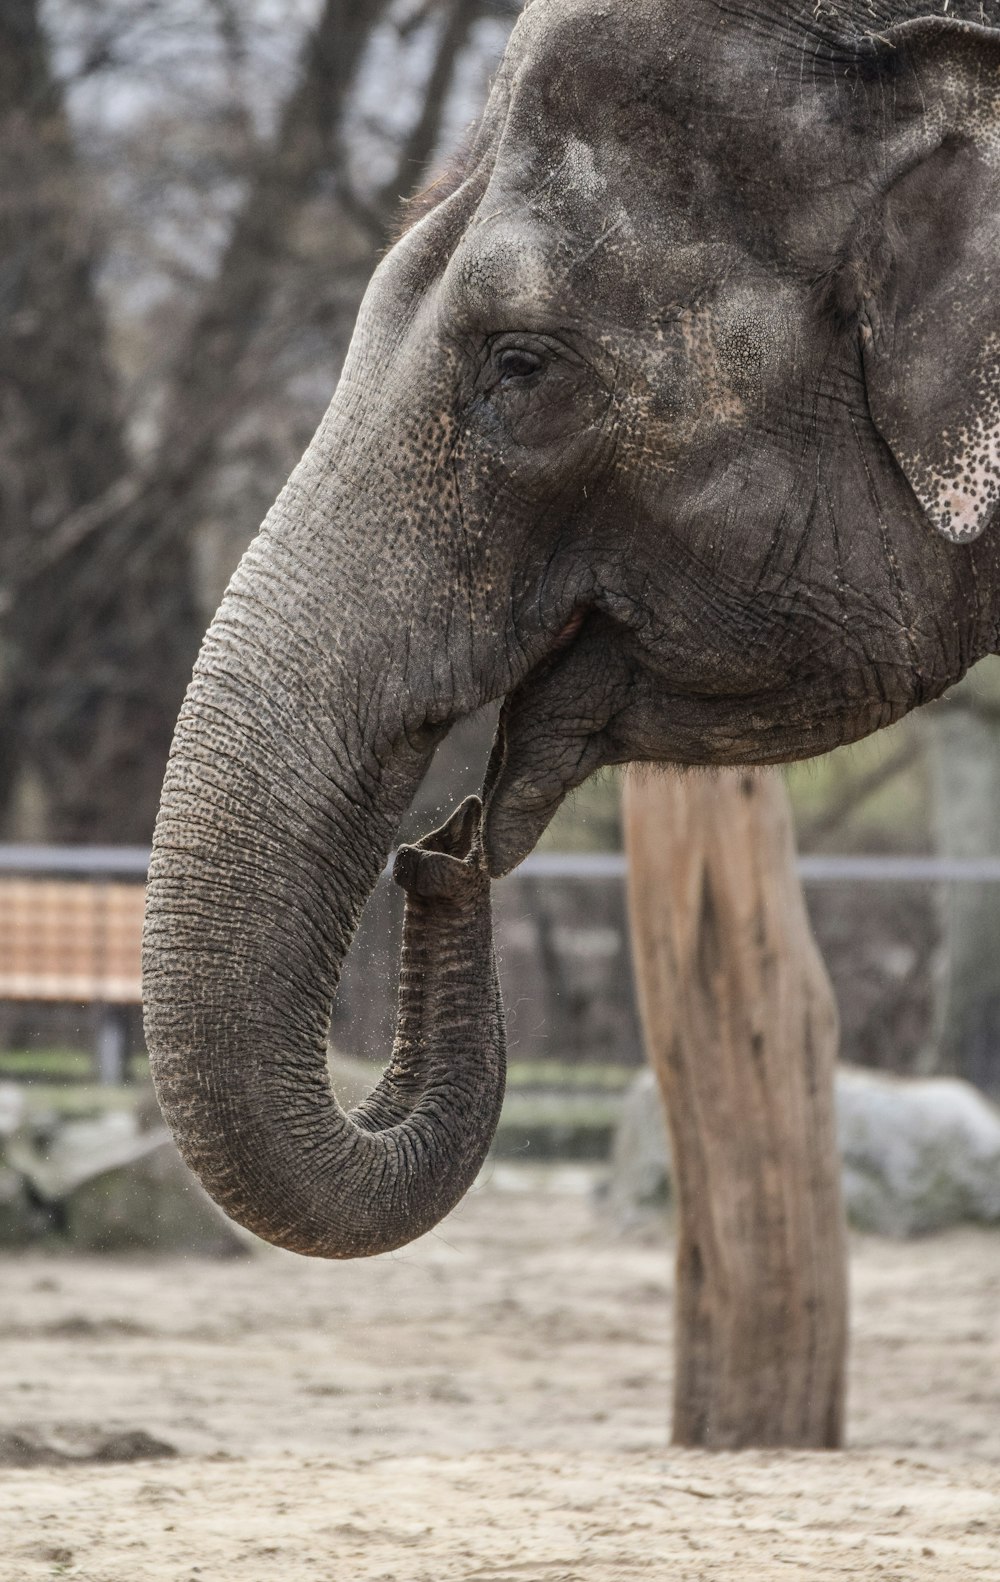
x: 571, y: 46
x: 617, y: 175
x: 563, y: 226
x: 515, y: 272
x: 503, y: 269
x: 671, y: 114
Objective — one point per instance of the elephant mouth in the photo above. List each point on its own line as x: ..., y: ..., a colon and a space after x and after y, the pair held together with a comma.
x: 549, y: 738
x: 568, y: 632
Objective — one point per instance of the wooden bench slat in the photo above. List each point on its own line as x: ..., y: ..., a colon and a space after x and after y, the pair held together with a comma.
x: 82, y: 989
x: 72, y: 940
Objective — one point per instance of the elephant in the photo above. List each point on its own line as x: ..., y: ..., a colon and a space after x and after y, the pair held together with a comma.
x: 672, y: 421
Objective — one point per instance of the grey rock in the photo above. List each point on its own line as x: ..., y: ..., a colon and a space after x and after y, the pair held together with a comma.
x: 918, y: 1155
x: 24, y: 1221
x: 12, y: 1109
x: 104, y: 1184
x: 148, y: 1201
x: 24, y: 1218
x: 639, y: 1182
x: 58, y: 1156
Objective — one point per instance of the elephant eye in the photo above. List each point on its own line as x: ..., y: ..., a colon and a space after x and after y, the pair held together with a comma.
x: 514, y: 363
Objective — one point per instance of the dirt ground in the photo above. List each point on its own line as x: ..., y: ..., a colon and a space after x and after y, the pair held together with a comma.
x: 488, y: 1406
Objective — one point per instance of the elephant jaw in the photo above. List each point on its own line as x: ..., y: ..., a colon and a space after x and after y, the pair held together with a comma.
x: 551, y: 735
x: 519, y: 811
x: 601, y: 696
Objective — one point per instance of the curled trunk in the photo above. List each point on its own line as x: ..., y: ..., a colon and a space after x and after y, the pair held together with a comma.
x: 297, y: 750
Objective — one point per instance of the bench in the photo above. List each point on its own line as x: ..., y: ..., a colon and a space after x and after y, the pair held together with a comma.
x: 76, y: 941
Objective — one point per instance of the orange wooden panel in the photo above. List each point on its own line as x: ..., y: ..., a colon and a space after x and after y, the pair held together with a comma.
x: 72, y: 940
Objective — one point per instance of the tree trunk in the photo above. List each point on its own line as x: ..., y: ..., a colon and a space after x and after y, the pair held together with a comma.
x: 741, y: 1031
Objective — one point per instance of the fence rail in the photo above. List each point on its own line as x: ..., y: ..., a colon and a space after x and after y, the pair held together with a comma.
x: 562, y: 937
x: 99, y: 862
x: 95, y: 862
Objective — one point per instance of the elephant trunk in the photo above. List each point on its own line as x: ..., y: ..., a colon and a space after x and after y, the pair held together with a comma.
x: 302, y: 739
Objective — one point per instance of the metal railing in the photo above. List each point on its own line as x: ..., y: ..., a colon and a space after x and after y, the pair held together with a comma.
x: 552, y: 907
x: 133, y: 862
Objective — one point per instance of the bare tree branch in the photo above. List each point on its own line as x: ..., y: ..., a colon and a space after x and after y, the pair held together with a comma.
x: 61, y: 442
x: 426, y: 132
x: 237, y: 300
x: 855, y: 793
x: 101, y: 617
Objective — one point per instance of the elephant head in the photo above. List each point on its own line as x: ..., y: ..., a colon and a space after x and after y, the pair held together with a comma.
x: 674, y: 424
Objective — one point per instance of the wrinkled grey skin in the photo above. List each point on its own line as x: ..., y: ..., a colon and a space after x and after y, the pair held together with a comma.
x: 676, y: 425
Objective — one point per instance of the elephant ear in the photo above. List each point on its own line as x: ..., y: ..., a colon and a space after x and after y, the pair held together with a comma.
x: 930, y: 327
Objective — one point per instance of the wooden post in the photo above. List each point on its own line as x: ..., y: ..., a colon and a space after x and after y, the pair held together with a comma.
x: 741, y: 1031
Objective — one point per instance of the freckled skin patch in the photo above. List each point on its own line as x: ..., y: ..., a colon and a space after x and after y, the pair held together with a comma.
x: 674, y: 424
x: 932, y: 353
x: 959, y: 494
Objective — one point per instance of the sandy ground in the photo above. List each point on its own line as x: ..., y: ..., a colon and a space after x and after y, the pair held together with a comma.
x: 489, y: 1406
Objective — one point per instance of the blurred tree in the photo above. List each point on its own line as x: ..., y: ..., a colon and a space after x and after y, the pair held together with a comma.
x: 962, y: 734
x: 61, y: 444
x: 108, y: 521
